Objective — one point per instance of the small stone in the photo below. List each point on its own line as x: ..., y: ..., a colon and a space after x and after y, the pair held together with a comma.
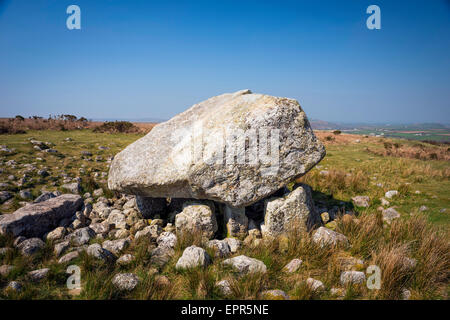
x: 224, y: 287
x: 167, y: 239
x: 73, y: 187
x: 25, y: 194
x: 391, y: 193
x: 406, y: 294
x: 150, y: 232
x: 352, y: 277
x: 361, y: 201
x: 325, y: 217
x: 390, y: 214
x: 192, y: 257
x: 38, y: 275
x: 81, y: 236
x: 68, y: 257
x: 384, y: 202
x: 220, y: 247
x: 31, y: 246
x: 315, y: 285
x: 423, y: 208
x: 116, y: 246
x: 14, y: 286
x: 56, y: 234
x: 245, y: 265
x: 162, y: 281
x: 234, y: 244
x: 332, y: 225
x: 95, y: 250
x: 98, y: 192
x: 5, y: 270
x: 293, y: 265
x: 274, y: 295
x: 61, y: 247
x: 324, y: 236
x: 125, y: 281
x: 126, y: 259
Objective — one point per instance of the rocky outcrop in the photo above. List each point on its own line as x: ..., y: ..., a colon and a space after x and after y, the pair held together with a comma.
x: 34, y: 220
x: 236, y: 148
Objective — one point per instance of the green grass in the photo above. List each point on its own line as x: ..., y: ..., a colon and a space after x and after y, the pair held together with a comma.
x: 421, y: 235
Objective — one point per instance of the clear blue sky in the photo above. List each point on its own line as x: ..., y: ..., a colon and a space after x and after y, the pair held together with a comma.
x: 145, y: 59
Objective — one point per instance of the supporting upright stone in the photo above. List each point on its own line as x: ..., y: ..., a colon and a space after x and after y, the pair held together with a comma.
x: 236, y: 222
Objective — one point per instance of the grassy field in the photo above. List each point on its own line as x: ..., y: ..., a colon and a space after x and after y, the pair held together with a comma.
x: 354, y: 165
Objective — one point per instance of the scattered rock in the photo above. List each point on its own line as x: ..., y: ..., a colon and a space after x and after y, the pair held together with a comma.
x: 224, y: 287
x: 315, y: 285
x: 150, y: 232
x: 234, y: 244
x: 192, y: 257
x: 5, y: 270
x: 167, y: 239
x: 37, y: 219
x: 38, y: 275
x: 274, y: 295
x: 126, y: 259
x: 5, y: 195
x: 95, y: 250
x: 390, y: 214
x: 61, y: 247
x: 14, y: 286
x: 125, y: 281
x: 406, y: 294
x: 81, y: 236
x: 98, y: 192
x: 384, y: 202
x: 116, y: 246
x: 423, y: 208
x: 245, y: 265
x: 293, y: 265
x: 361, y: 201
x: 220, y: 247
x: 352, y: 277
x: 324, y: 236
x: 31, y: 246
x: 25, y: 194
x: 118, y: 219
x: 73, y: 187
x: 68, y: 257
x: 391, y: 193
x: 325, y: 217
x: 56, y: 234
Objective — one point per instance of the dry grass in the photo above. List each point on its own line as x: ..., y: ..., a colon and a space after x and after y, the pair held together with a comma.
x: 17, y: 125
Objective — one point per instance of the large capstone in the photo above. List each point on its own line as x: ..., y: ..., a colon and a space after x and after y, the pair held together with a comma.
x: 34, y: 220
x: 236, y: 148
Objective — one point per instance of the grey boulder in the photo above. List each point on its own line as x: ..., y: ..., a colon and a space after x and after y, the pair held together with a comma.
x: 202, y: 152
x: 34, y: 220
x: 294, y: 211
x: 192, y: 257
